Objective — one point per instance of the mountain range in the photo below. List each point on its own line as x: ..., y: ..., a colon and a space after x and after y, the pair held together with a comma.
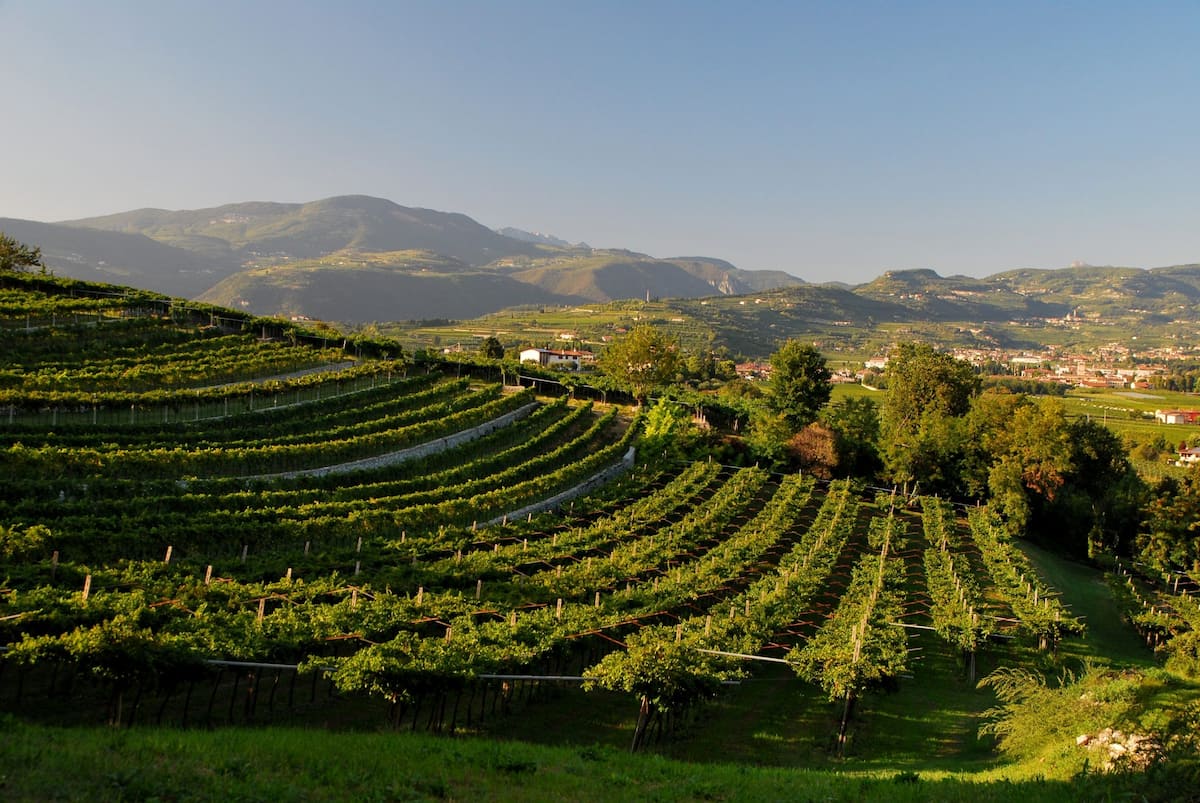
x: 355, y: 259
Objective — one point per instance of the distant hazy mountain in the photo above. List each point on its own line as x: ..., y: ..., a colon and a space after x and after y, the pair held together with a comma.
x: 730, y: 280
x: 959, y: 298
x: 1106, y: 292
x: 538, y: 237
x: 612, y: 274
x: 119, y: 258
x: 421, y: 284
x: 259, y: 231
x: 309, y: 258
x: 359, y: 287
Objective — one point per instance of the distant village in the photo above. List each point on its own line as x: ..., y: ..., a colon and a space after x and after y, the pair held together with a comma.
x: 1112, y: 366
x: 1108, y: 367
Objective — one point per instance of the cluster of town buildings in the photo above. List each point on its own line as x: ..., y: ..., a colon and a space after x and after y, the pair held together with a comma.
x: 1095, y: 371
x: 1091, y: 371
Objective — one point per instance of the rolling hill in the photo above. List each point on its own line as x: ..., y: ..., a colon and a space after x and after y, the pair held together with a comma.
x: 279, y: 258
x: 610, y: 275
x: 409, y: 285
x: 960, y: 298
x: 258, y: 231
x: 356, y: 258
x: 358, y: 287
x: 120, y: 257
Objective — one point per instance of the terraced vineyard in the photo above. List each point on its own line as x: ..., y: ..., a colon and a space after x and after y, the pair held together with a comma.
x: 196, y: 520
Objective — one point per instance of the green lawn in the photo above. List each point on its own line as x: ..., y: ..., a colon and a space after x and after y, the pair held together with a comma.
x: 1109, y: 639
x: 41, y: 763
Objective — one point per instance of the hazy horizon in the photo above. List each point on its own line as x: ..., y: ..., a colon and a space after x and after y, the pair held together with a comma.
x: 832, y: 142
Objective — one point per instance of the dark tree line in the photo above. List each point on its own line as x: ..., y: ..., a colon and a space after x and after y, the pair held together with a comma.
x: 1066, y: 482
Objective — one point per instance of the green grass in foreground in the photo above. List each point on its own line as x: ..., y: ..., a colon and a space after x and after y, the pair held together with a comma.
x: 40, y: 763
x: 1109, y: 639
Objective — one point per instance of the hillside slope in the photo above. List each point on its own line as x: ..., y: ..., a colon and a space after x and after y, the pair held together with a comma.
x: 959, y: 298
x: 376, y: 291
x: 256, y: 230
x: 607, y: 275
x: 119, y: 258
x: 259, y: 235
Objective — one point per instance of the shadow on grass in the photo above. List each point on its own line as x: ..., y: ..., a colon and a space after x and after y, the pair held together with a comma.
x: 1109, y: 638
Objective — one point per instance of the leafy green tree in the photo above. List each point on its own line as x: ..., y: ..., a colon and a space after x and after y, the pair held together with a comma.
x: 700, y: 367
x: 740, y: 390
x: 666, y: 429
x: 769, y: 434
x: 492, y: 348
x: 1030, y: 454
x: 1170, y: 535
x: 16, y: 257
x: 644, y: 359
x: 855, y: 423
x: 800, y: 384
x: 922, y: 380
x: 932, y: 461
x: 1066, y: 483
x: 927, y: 391
x: 990, y: 412
x: 1102, y: 490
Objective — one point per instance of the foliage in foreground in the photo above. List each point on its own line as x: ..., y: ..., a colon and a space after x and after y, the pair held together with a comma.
x: 1140, y: 727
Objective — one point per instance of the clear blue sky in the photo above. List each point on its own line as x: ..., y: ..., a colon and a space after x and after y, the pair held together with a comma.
x: 831, y: 140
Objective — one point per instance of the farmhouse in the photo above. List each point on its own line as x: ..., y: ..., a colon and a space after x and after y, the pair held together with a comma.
x: 552, y: 358
x: 1188, y: 457
x: 1177, y: 416
x: 753, y: 370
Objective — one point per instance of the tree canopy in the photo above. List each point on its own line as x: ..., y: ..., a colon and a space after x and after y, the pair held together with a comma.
x: 492, y: 348
x: 1169, y: 535
x: 926, y: 390
x: 799, y: 383
x: 855, y: 423
x: 642, y: 360
x: 922, y: 380
x: 18, y: 257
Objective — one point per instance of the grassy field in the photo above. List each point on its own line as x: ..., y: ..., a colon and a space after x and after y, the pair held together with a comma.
x: 39, y: 763
x: 1109, y: 639
x: 850, y: 390
x: 1131, y: 413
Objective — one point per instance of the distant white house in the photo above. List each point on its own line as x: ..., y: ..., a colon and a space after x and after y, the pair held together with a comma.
x: 1188, y: 457
x: 1177, y: 416
x: 554, y: 358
